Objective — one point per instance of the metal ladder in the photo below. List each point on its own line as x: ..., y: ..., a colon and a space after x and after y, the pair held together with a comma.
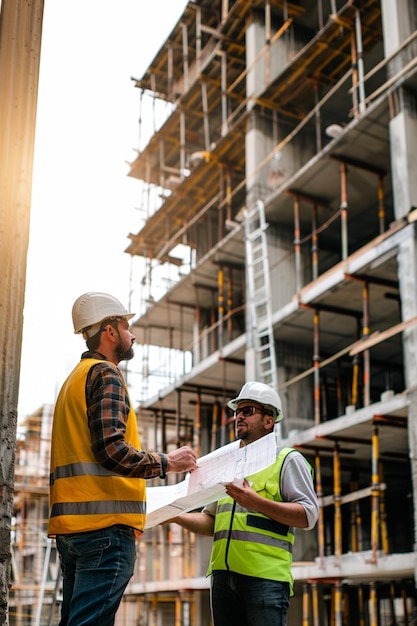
x: 54, y: 600
x: 259, y: 295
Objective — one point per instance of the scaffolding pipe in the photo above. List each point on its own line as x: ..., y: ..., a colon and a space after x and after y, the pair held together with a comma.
x: 220, y: 304
x: 306, y: 616
x: 197, y: 429
x: 162, y: 171
x: 355, y: 380
x: 224, y: 423
x: 392, y: 603
x: 361, y: 606
x: 383, y: 514
x: 141, y: 92
x: 320, y: 521
x: 153, y: 88
x: 323, y: 398
x: 338, y: 604
x: 154, y: 609
x: 185, y: 55
x: 345, y: 607
x: 225, y: 10
x: 267, y: 42
x: 366, y: 353
x: 354, y: 74
x: 373, y: 604
x: 193, y: 613
x: 337, y: 503
x: 189, y: 557
x: 178, y: 611
x: 229, y: 304
x: 155, y: 427
x: 178, y: 418
x: 196, y: 331
x: 206, y: 126
x: 182, y: 145
x: 339, y: 393
x: 214, y: 425
x: 224, y: 92
x: 43, y: 582
x: 170, y: 76
x: 317, y: 118
x: 316, y: 361
x: 381, y: 207
x: 315, y: 599
x: 358, y: 522
x: 314, y: 243
x: 297, y: 245
x: 229, y: 193
x: 359, y: 52
x: 353, y: 519
x: 344, y: 210
x: 404, y: 603
x: 375, y: 495
x: 198, y: 39
x: 212, y: 324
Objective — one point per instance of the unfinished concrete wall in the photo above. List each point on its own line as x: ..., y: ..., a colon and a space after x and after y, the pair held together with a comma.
x: 20, y: 36
x: 398, y: 20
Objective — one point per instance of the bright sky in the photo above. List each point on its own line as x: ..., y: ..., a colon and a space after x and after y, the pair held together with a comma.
x: 83, y: 203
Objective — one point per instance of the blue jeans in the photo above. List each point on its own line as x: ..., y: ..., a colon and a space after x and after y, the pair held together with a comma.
x: 96, y: 567
x: 238, y: 600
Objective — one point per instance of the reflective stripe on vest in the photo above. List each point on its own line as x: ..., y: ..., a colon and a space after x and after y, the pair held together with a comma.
x: 97, y: 507
x: 79, y: 469
x: 245, y: 535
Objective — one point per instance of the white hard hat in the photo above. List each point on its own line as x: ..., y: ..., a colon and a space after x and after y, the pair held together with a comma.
x: 260, y: 393
x: 92, y: 308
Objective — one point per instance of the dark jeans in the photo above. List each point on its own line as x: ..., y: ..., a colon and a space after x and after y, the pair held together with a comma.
x: 238, y: 600
x: 96, y: 567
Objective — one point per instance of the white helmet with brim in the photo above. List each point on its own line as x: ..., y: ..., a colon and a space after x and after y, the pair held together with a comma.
x: 261, y: 394
x: 92, y: 308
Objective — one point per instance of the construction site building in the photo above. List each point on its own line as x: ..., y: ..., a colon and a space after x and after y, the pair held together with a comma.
x: 278, y: 242
x: 278, y: 199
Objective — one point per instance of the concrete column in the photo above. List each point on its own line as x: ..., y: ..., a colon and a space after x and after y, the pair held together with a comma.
x: 256, y: 150
x: 412, y: 439
x: 399, y: 20
x: 20, y: 36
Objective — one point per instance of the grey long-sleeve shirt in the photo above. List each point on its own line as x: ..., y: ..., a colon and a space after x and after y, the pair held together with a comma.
x: 296, y: 486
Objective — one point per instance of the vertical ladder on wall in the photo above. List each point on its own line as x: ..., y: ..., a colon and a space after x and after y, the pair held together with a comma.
x: 259, y: 295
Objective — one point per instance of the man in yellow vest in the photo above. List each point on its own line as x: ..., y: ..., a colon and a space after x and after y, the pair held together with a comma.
x: 97, y: 486
x: 253, y: 525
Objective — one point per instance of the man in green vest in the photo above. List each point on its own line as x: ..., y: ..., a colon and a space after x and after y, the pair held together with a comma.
x: 253, y: 525
x: 97, y: 487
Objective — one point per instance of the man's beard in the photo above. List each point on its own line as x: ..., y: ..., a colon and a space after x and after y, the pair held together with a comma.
x: 243, y: 434
x: 122, y: 354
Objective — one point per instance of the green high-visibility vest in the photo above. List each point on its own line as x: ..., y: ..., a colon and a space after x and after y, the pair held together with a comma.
x: 249, y: 543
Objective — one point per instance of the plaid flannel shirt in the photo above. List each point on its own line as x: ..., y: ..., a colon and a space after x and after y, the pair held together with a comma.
x: 108, y: 406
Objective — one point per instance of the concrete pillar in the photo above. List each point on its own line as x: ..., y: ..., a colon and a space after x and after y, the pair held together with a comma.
x: 20, y: 37
x: 399, y: 20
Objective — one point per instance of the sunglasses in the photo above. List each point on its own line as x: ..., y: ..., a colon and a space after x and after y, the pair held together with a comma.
x: 247, y: 411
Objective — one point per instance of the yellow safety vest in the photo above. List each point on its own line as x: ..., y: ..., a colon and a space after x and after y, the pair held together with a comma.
x: 249, y: 543
x: 83, y: 495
